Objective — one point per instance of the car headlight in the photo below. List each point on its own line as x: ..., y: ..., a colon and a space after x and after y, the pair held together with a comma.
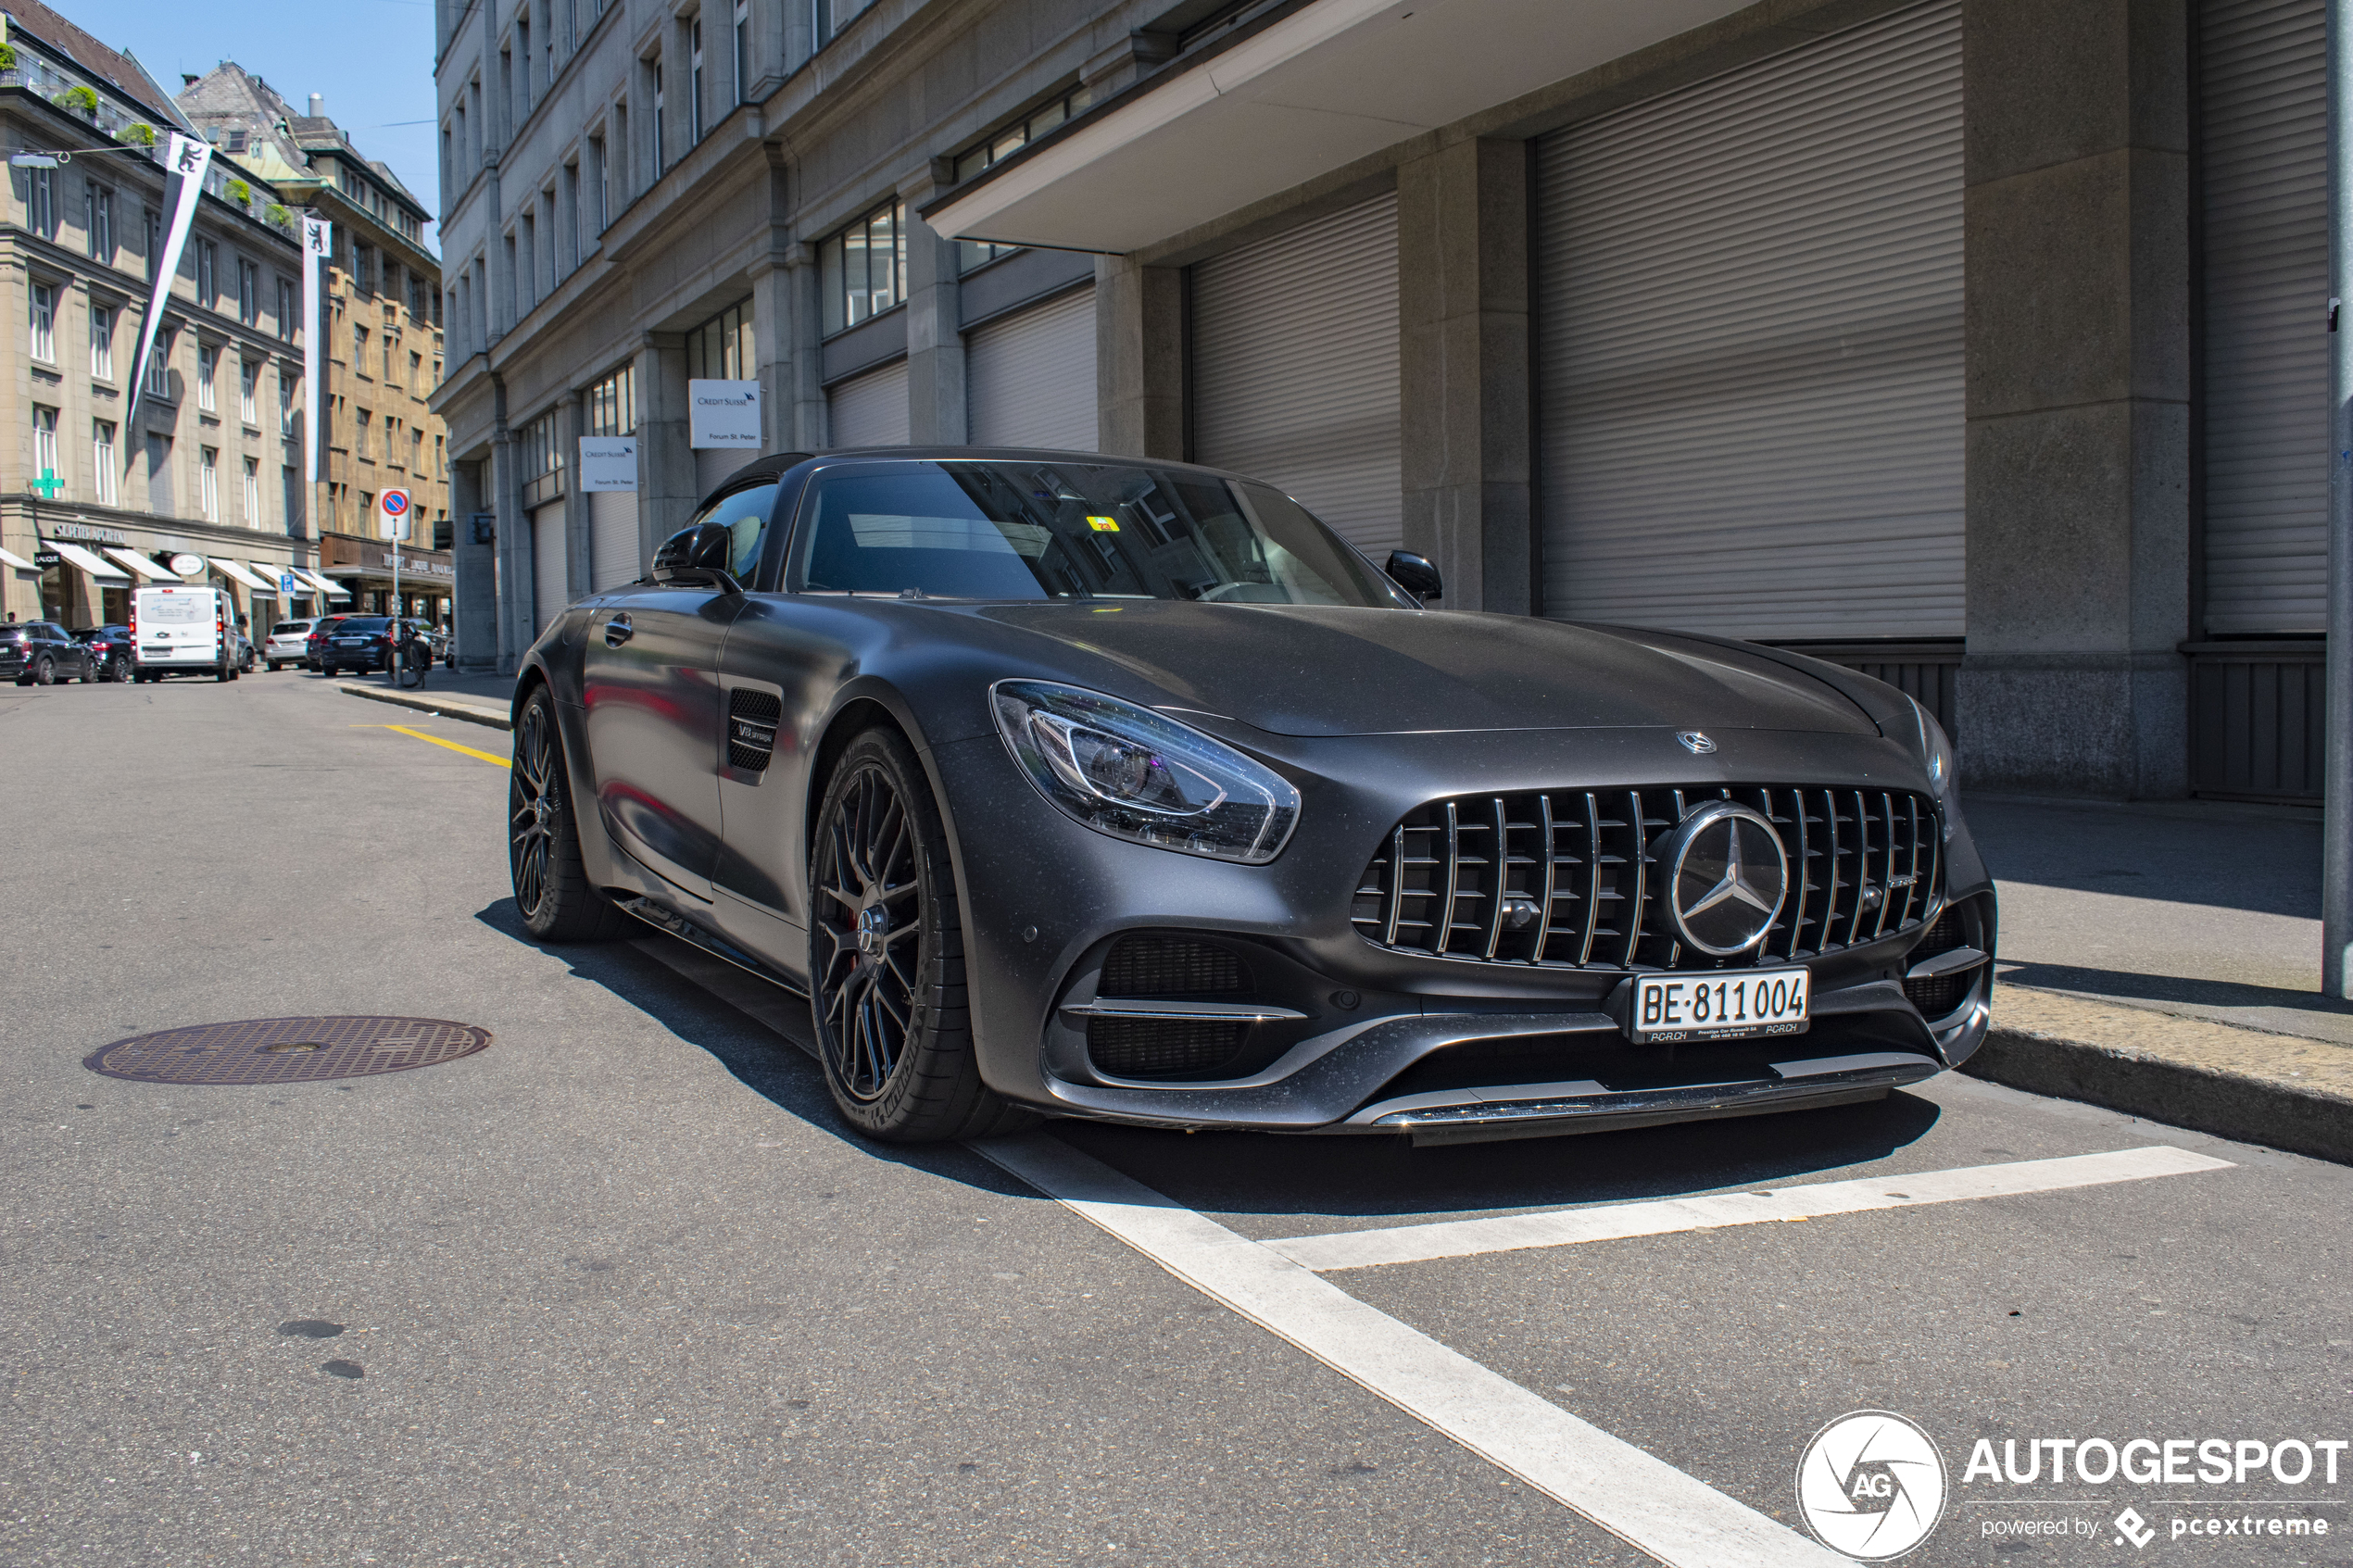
x: 1936, y: 751
x: 1129, y: 772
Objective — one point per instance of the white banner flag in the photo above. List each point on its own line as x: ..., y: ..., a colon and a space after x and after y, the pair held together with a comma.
x: 186, y: 161
x: 314, y: 345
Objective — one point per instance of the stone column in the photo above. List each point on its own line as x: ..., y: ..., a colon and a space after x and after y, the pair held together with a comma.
x: 476, y: 564
x: 570, y: 428
x: 666, y: 490
x: 1463, y: 345
x: 517, y: 612
x: 812, y: 429
x: 2077, y: 206
x: 1139, y: 358
x: 935, y: 413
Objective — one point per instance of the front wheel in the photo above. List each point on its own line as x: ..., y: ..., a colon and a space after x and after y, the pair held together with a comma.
x: 887, y: 958
x: 543, y: 840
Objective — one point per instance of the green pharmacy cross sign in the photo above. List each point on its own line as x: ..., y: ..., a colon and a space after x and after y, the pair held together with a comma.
x: 48, y: 484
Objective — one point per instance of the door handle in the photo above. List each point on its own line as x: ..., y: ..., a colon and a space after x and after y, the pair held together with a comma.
x: 618, y: 631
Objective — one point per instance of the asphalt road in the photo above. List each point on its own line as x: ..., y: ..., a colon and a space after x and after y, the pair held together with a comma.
x: 621, y: 1291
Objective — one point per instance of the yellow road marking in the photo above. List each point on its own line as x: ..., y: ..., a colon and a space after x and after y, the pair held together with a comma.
x: 436, y: 740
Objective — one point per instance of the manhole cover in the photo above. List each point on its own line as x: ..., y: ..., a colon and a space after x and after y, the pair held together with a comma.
x: 286, y: 1050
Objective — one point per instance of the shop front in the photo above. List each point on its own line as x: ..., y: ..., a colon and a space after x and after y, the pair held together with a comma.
x: 80, y: 573
x: 364, y: 569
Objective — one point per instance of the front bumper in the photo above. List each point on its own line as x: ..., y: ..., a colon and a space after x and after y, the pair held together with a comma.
x: 1441, y: 1049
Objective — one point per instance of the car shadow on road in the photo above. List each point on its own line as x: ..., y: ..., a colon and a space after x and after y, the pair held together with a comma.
x: 1267, y: 1173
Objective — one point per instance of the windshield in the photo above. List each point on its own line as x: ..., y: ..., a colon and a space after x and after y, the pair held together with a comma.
x: 356, y: 623
x: 998, y: 529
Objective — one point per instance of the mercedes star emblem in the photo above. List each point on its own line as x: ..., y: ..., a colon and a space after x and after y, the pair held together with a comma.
x: 1694, y: 742
x: 1726, y: 875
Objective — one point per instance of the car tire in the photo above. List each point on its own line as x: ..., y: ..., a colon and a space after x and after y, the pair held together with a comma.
x: 274, y: 667
x: 44, y: 673
x: 330, y: 670
x: 552, y: 891
x: 220, y: 671
x: 886, y: 957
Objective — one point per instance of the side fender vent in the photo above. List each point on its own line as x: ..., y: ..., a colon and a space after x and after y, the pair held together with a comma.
x: 752, y: 717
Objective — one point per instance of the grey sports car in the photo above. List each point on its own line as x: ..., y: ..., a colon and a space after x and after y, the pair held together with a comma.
x: 1126, y: 789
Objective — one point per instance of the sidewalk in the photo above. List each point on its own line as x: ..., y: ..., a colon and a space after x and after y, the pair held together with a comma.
x: 478, y: 699
x: 2164, y: 959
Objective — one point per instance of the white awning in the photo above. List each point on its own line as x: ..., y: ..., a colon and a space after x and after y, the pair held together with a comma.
x: 1332, y: 82
x: 326, y: 585
x: 97, y: 566
x: 12, y: 559
x: 269, y: 575
x: 141, y: 564
x: 239, y: 575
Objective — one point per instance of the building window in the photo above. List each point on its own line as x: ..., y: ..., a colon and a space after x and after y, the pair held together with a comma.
x: 286, y: 311
x: 864, y: 266
x: 721, y: 348
x: 694, y: 82
x: 388, y: 345
x: 743, y: 48
x: 612, y: 405
x: 158, y: 382
x: 45, y: 322
x: 208, y: 482
x: 41, y: 201
x: 102, y: 341
x: 102, y: 458
x: 207, y: 274
x: 359, y: 437
x: 1003, y: 144
x: 97, y: 221
x: 661, y: 160
x: 440, y: 459
x: 151, y: 231
x: 45, y: 444
x: 253, y: 493
x: 416, y: 372
x: 523, y: 65
x: 208, y: 368
x: 248, y: 292
x: 249, y: 384
x: 596, y: 182
x: 286, y: 402
x: 542, y: 460
x: 358, y: 349
x: 834, y: 15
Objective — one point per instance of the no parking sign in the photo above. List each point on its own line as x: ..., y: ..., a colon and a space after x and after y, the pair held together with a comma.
x: 393, y: 506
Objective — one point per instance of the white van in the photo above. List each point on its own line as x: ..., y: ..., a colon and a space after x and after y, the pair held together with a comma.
x: 182, y: 628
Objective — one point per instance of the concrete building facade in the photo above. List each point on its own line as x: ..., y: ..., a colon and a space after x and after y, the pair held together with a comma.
x: 1975, y: 343
x: 94, y: 498
x: 380, y: 304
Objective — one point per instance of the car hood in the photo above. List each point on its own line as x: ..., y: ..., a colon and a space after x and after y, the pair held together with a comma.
x: 1312, y: 670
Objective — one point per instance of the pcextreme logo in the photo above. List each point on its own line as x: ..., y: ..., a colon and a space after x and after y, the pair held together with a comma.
x: 1871, y: 1486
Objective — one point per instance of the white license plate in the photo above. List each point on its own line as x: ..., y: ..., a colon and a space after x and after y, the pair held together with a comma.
x: 1671, y: 1007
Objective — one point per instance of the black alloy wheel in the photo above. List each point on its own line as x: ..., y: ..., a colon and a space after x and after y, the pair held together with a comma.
x: 552, y: 892
x: 886, y: 957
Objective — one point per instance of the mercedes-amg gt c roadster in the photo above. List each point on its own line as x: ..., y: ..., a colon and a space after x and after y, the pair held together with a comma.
x: 1116, y: 788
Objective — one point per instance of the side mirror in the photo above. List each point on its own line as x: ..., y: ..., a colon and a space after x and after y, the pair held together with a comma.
x: 697, y: 554
x: 1415, y: 574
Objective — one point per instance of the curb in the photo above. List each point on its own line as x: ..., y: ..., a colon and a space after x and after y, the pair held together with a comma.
x: 2281, y: 1091
x: 440, y: 707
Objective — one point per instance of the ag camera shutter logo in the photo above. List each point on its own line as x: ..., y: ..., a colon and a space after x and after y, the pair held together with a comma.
x: 1872, y: 1485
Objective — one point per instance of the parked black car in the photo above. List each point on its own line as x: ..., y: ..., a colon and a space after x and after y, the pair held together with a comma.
x: 355, y: 642
x: 109, y: 649
x: 35, y: 653
x: 1118, y: 788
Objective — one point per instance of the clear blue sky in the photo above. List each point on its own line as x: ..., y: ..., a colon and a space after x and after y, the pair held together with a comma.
x: 373, y: 59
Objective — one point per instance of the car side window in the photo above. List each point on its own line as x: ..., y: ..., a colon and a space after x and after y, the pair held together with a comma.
x: 743, y: 513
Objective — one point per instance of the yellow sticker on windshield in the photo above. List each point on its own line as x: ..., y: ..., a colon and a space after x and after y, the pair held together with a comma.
x: 1103, y: 524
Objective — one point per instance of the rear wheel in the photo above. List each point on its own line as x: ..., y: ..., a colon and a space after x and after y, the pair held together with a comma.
x: 542, y: 841
x: 44, y: 673
x: 887, y: 958
x: 275, y: 667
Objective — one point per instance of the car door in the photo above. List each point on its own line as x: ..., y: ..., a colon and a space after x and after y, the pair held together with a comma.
x: 649, y: 688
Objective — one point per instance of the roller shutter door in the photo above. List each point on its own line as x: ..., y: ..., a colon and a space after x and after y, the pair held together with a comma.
x: 613, y: 554
x: 548, y: 576
x: 1294, y: 366
x: 1750, y: 337
x: 2263, y: 162
x: 1030, y: 375
x: 870, y: 409
x: 715, y: 465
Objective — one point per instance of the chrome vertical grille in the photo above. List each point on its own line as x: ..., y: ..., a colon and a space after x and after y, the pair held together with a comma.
x: 1863, y: 863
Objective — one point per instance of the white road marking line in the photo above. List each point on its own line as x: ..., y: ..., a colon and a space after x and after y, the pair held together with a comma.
x: 1464, y: 1238
x: 1636, y: 1497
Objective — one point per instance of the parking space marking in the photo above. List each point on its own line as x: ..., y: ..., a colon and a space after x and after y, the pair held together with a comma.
x: 1633, y: 1495
x: 436, y: 740
x: 1464, y: 1238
